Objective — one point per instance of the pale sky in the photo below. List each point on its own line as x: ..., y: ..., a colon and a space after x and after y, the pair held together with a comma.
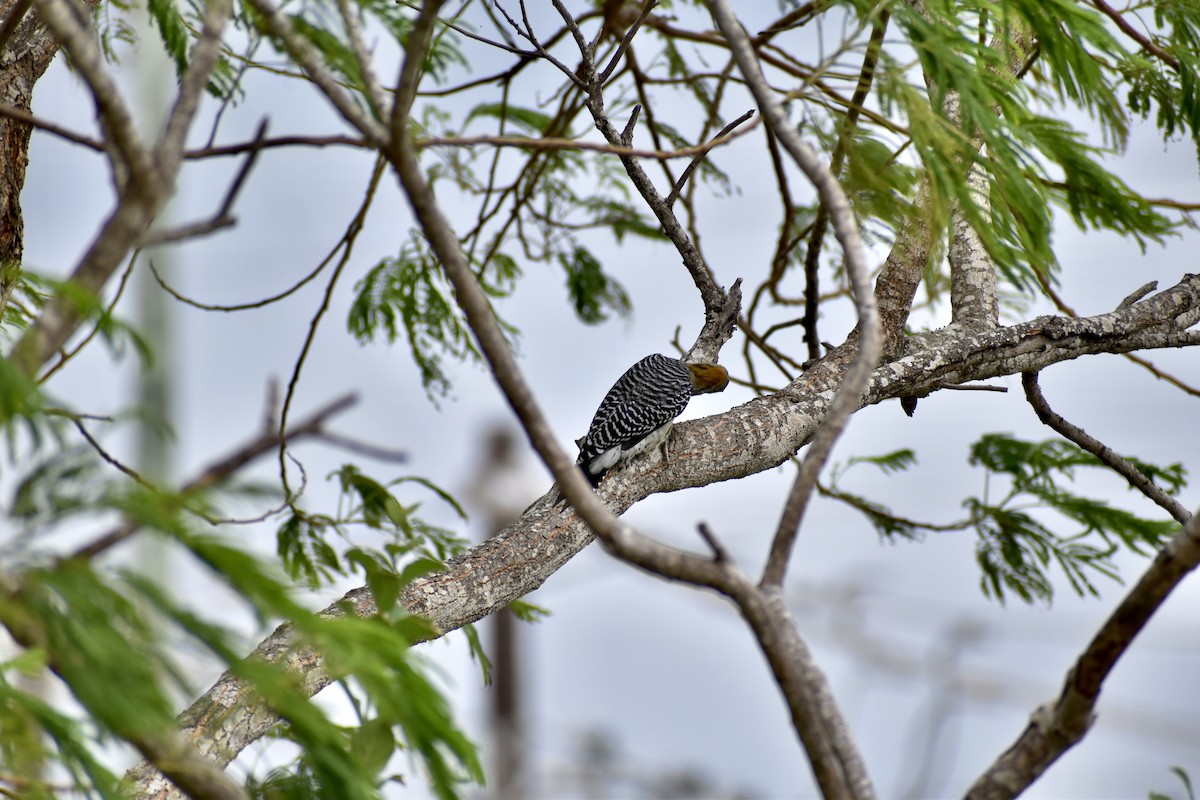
x: 670, y: 673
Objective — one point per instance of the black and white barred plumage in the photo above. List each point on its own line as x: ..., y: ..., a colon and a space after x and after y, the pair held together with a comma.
x: 637, y: 413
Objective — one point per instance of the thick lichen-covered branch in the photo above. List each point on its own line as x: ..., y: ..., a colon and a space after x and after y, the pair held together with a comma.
x: 751, y: 438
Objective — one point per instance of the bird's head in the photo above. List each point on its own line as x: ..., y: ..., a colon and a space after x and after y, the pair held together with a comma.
x: 708, y: 378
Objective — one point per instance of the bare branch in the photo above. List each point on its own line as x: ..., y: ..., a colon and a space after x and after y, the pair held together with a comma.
x: 687, y: 172
x: 1060, y: 724
x: 528, y: 35
x: 607, y: 72
x: 20, y: 115
x: 1113, y: 460
x: 223, y: 218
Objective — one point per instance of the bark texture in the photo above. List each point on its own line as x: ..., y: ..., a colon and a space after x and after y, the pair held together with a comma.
x: 26, y: 53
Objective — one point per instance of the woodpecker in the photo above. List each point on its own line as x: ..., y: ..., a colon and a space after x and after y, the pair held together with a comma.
x: 638, y: 411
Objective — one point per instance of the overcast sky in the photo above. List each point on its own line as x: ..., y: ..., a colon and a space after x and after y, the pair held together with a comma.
x: 672, y: 674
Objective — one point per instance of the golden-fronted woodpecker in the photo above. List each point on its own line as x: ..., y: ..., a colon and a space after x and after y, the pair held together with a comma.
x: 638, y: 411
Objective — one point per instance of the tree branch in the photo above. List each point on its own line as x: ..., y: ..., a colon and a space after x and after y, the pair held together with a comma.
x: 1113, y: 460
x: 145, y: 179
x: 1133, y: 33
x: 745, y: 440
x: 1059, y: 725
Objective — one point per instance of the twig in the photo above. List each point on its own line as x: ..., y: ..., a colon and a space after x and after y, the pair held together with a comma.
x: 812, y: 255
x: 21, y: 115
x: 70, y: 354
x: 216, y: 151
x: 627, y: 131
x: 1137, y: 295
x: 351, y: 230
x: 1133, y: 33
x: 528, y: 35
x: 223, y: 218
x: 557, y: 143
x: 720, y: 554
x: 607, y: 72
x: 972, y: 387
x: 1111, y: 459
x: 687, y: 172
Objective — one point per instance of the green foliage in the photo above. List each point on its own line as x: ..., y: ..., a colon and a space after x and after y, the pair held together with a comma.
x: 1017, y: 544
x: 527, y: 119
x: 413, y: 546
x: 35, y: 733
x: 592, y: 292
x: 1172, y: 94
x: 408, y: 295
x: 1032, y: 159
x: 1015, y: 547
x: 885, y: 523
x: 1185, y: 779
x: 528, y: 612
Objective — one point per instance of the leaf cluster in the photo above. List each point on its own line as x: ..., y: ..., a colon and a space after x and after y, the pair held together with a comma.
x: 122, y: 641
x: 1018, y: 534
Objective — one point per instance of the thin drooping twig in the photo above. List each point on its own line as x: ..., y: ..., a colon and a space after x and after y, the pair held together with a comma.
x: 1111, y: 459
x: 352, y: 232
x: 348, y: 235
x: 1060, y: 724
